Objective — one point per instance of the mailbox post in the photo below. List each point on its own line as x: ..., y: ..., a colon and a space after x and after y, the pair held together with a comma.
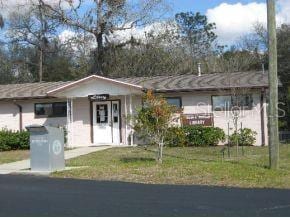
x: 46, y: 148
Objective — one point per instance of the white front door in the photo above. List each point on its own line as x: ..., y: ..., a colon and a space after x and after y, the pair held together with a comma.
x: 106, y: 121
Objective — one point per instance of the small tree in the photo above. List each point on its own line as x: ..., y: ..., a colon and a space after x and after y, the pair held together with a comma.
x: 153, y: 120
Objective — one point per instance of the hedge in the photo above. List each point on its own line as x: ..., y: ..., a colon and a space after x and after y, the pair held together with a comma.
x: 13, y: 140
x: 176, y: 136
x: 196, y: 135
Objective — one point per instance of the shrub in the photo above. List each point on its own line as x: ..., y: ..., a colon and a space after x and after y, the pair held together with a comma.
x: 198, y: 135
x: 13, y: 140
x: 176, y: 136
x: 244, y: 137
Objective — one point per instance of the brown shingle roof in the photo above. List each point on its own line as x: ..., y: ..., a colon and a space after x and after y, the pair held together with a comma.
x: 185, y: 82
x: 203, y: 82
x: 28, y: 90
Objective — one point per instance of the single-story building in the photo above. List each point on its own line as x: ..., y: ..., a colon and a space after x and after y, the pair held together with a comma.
x: 94, y: 109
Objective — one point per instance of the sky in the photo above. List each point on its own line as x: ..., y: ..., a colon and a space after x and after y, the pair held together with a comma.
x: 203, y: 5
x: 233, y: 18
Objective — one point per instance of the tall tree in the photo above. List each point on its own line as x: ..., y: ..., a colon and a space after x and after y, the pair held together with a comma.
x: 283, y: 47
x: 6, y: 74
x: 77, y: 49
x: 196, y: 33
x: 33, y: 28
x: 236, y: 59
x: 155, y: 54
x: 103, y: 18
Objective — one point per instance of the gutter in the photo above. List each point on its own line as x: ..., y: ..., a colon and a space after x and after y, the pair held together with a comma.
x: 206, y: 89
x: 20, y: 115
x: 26, y: 98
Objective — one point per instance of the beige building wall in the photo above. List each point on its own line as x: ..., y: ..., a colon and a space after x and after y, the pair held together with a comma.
x: 248, y: 118
x: 81, y: 126
x: 29, y: 118
x: 9, y: 116
x: 201, y: 102
x: 196, y: 102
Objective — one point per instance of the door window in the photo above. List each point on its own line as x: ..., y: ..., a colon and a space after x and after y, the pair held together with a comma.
x: 102, y: 113
x: 115, y: 113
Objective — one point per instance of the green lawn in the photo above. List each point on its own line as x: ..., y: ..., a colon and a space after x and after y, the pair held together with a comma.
x: 11, y: 156
x: 184, y: 166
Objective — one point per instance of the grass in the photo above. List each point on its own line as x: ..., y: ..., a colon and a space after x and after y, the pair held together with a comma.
x: 189, y: 165
x: 11, y: 156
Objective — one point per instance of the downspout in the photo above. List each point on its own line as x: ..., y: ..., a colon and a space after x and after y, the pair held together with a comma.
x: 20, y: 115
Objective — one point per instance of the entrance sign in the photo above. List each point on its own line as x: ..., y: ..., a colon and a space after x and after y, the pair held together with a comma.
x: 102, y: 97
x: 198, y: 119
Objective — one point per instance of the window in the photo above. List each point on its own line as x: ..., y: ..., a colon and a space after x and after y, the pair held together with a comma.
x: 115, y: 113
x: 102, y: 113
x: 59, y: 109
x: 54, y: 109
x: 221, y: 103
x: 175, y: 101
x: 243, y: 101
x: 227, y: 102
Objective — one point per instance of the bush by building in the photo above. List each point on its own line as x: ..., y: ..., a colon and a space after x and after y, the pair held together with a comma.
x: 176, y: 136
x: 196, y: 135
x: 13, y: 140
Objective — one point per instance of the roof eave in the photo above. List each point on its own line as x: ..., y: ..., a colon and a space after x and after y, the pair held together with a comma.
x: 206, y: 89
x: 27, y: 98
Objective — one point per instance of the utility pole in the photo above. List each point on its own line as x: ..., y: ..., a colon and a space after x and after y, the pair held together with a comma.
x: 273, y: 80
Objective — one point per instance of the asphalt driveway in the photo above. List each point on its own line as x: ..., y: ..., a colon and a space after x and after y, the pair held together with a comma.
x: 42, y: 196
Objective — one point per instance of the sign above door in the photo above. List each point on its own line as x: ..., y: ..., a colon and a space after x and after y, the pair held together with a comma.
x: 102, y: 97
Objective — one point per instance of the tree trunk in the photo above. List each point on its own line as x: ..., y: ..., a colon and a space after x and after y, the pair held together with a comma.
x: 100, y: 55
x: 98, y: 66
x: 42, y: 40
x: 237, y: 138
x: 40, y: 65
x: 160, y: 152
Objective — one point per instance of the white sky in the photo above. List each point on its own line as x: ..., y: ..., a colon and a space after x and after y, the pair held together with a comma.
x: 235, y: 20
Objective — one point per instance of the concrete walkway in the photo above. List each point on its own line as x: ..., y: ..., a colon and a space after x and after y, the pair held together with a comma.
x: 17, y: 166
